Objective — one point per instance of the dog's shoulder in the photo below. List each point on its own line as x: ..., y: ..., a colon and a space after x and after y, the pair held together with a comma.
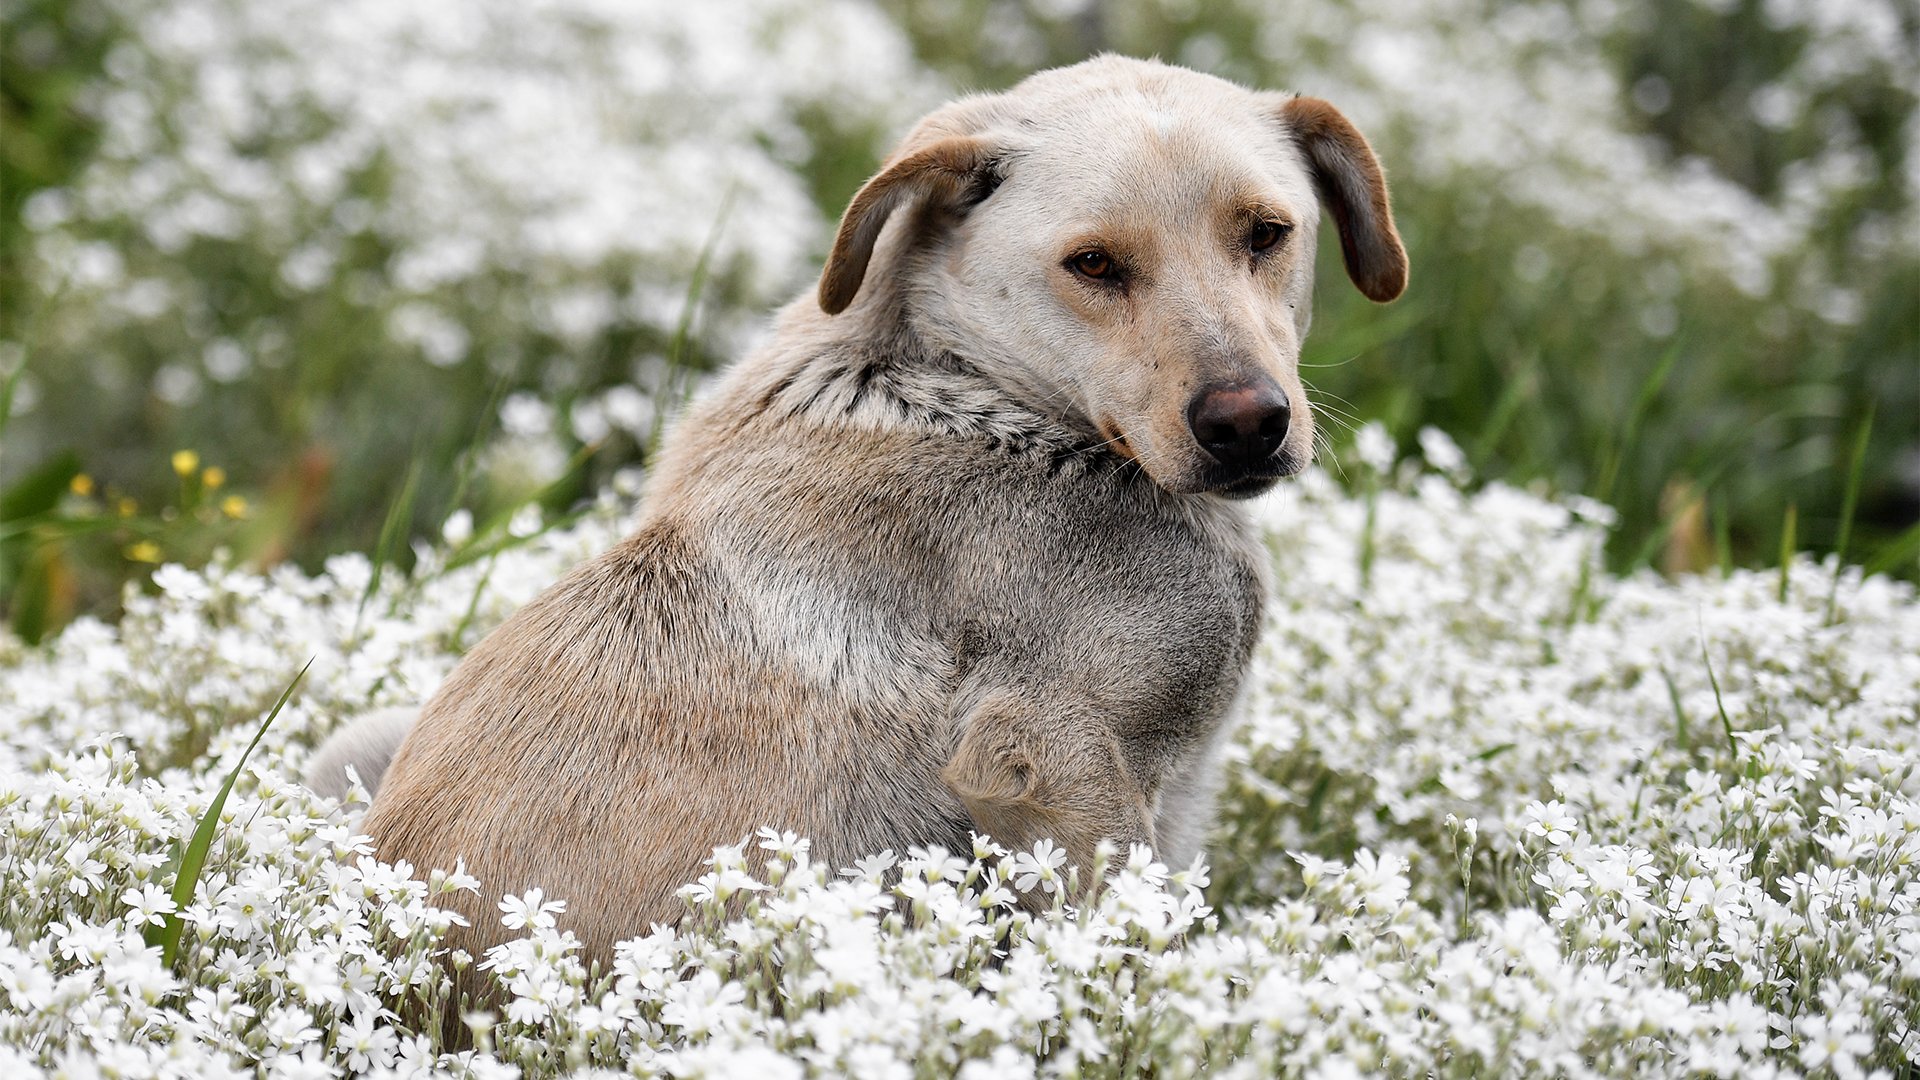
x: 912, y: 477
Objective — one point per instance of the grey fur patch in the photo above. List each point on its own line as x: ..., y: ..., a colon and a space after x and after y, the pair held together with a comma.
x: 367, y: 744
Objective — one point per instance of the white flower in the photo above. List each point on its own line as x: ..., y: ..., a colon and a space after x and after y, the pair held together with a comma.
x: 1442, y: 452
x: 369, y: 1044
x: 703, y: 1004
x: 1833, y: 1042
x: 317, y: 977
x: 289, y: 1027
x: 872, y: 867
x: 531, y: 909
x: 1551, y: 822
x: 147, y: 905
x: 524, y: 416
x: 1373, y: 446
x: 1038, y: 868
x: 458, y: 528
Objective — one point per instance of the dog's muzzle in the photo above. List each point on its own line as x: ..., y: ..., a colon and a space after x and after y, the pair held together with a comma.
x: 1241, y: 427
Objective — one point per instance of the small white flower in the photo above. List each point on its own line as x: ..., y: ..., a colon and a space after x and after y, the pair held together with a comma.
x: 147, y: 905
x: 872, y: 867
x: 530, y: 909
x: 1039, y: 868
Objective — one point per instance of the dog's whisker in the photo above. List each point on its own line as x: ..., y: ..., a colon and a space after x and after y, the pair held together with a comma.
x: 1345, y: 423
x: 1328, y: 408
x: 1098, y: 446
x: 1326, y: 395
x: 1323, y: 447
x: 1338, y: 416
x: 1334, y: 364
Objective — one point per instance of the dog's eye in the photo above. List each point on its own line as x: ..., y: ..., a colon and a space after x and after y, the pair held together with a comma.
x: 1266, y: 234
x: 1093, y: 264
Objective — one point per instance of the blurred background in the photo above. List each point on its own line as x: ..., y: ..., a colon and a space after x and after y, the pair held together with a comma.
x: 295, y: 277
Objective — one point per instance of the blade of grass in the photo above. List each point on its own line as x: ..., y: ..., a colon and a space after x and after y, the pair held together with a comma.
x: 1902, y: 548
x: 392, y: 531
x: 473, y: 606
x: 1787, y: 545
x: 1726, y: 722
x: 1848, y: 504
x: 1363, y: 336
x: 1649, y: 390
x: 7, y: 389
x: 464, y: 471
x: 1519, y: 388
x: 1722, y: 536
x: 193, y: 858
x: 1582, y: 607
x: 1680, y: 734
x: 475, y: 549
x: 1367, y: 552
x: 683, y: 331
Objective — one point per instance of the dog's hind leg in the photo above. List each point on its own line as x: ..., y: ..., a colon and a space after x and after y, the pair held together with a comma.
x: 367, y: 744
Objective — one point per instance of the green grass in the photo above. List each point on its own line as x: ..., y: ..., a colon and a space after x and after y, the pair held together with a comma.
x: 191, y: 858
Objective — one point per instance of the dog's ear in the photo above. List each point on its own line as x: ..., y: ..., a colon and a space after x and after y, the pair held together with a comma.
x: 955, y: 169
x: 1348, y: 179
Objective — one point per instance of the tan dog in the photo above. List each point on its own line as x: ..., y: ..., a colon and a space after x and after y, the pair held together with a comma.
x: 958, y: 550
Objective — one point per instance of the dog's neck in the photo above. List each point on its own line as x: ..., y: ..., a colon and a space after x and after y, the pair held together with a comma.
x: 838, y: 373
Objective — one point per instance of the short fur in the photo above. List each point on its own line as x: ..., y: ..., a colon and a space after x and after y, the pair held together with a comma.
x: 943, y: 556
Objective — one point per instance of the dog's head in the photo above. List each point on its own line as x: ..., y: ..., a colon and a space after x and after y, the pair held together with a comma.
x: 1130, y: 244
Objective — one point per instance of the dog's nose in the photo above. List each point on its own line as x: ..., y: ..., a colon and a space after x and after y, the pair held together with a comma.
x: 1240, y: 425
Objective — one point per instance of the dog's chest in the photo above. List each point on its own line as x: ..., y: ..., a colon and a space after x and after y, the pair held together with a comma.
x: 892, y: 593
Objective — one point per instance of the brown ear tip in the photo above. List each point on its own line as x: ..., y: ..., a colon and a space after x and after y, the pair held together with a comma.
x: 1387, y: 287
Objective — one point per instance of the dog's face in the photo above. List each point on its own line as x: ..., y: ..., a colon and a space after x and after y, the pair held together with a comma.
x: 1131, y: 245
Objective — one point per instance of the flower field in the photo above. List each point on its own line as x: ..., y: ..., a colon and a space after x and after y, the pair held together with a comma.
x: 1491, y: 811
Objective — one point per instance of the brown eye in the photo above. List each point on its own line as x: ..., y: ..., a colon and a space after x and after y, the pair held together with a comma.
x: 1266, y: 234
x: 1093, y: 264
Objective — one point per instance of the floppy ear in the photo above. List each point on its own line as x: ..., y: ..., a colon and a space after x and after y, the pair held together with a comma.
x: 951, y: 170
x: 1348, y: 179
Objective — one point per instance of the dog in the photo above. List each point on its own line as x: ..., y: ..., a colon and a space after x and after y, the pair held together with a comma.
x: 960, y: 550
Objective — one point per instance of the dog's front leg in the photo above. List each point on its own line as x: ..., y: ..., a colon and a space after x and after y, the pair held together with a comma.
x: 1028, y: 770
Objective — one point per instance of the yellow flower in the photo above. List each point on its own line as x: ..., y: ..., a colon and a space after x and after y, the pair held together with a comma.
x: 185, y: 462
x: 126, y: 507
x: 213, y: 477
x: 144, y: 551
x: 81, y: 485
x: 234, y: 506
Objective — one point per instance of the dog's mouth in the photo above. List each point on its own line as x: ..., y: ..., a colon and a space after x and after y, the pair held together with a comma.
x: 1255, y: 481
x: 1214, y: 477
x: 1247, y: 488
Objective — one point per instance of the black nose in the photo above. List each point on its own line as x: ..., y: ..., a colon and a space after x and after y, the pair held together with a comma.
x: 1241, y: 425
